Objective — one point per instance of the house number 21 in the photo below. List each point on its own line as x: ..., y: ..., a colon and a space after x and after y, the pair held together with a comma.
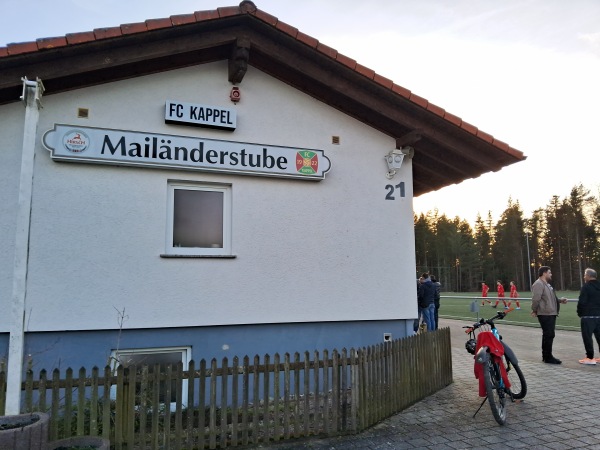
x: 390, y: 195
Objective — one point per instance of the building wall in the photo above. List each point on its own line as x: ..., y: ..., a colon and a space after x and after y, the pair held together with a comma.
x: 329, y: 251
x: 75, y: 349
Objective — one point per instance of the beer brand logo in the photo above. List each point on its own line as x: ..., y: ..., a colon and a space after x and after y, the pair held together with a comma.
x: 76, y: 141
x: 307, y: 162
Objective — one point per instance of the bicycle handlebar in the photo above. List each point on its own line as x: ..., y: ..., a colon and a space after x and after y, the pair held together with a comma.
x: 482, y: 321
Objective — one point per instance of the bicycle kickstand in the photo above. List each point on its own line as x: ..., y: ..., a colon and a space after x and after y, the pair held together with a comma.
x: 479, y: 407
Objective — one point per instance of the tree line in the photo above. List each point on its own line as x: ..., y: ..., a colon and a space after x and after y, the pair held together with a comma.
x: 564, y: 235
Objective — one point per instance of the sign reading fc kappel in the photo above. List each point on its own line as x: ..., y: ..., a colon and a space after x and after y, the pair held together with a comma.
x: 136, y: 148
x: 200, y: 115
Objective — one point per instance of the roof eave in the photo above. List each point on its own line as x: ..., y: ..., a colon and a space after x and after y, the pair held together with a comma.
x: 447, y: 146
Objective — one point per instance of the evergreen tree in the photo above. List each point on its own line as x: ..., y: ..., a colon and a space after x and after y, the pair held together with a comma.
x: 423, y: 239
x: 564, y: 235
x: 582, y: 237
x: 444, y: 257
x: 535, y: 229
x: 508, y: 248
x: 468, y: 256
x: 483, y: 246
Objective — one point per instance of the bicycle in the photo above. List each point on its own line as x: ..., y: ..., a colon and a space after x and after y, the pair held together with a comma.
x: 497, y: 365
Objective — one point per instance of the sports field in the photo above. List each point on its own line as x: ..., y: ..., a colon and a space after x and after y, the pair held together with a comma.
x: 458, y: 306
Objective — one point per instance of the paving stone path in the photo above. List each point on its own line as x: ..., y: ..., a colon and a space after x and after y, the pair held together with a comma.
x: 561, y: 409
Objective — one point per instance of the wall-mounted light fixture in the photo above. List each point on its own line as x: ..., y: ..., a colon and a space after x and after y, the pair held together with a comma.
x: 235, y: 95
x: 394, y: 160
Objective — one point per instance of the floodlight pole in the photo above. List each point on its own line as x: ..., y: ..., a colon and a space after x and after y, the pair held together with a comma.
x: 528, y: 259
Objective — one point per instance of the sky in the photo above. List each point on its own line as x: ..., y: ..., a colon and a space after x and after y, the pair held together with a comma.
x: 525, y: 71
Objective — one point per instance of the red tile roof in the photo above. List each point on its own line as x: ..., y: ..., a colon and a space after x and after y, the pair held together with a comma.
x: 249, y: 8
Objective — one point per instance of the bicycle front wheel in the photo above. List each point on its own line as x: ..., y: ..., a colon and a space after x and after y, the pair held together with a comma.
x: 495, y: 392
x: 518, y: 386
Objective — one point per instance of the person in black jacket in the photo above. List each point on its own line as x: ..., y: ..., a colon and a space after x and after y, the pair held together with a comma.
x: 588, y: 308
x: 436, y: 299
x: 426, y: 301
x: 417, y: 321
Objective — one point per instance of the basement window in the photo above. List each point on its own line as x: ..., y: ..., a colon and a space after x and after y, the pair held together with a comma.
x: 154, y: 358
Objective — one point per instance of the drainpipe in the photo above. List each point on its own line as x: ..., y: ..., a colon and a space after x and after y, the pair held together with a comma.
x: 31, y: 97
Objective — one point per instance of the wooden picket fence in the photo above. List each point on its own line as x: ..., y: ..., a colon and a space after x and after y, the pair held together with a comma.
x: 241, y: 404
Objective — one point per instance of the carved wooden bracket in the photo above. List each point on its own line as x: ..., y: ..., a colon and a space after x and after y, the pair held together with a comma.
x: 409, y: 138
x: 238, y: 61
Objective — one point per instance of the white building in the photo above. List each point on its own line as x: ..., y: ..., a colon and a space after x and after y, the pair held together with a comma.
x: 159, y: 215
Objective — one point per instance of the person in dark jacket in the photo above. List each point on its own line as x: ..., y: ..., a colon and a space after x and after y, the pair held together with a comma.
x: 588, y: 309
x: 436, y: 299
x: 417, y: 321
x: 426, y: 298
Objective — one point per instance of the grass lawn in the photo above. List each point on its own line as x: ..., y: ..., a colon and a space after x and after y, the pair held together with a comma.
x: 458, y: 306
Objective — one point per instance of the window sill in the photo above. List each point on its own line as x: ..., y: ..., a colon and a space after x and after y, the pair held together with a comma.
x: 164, y: 255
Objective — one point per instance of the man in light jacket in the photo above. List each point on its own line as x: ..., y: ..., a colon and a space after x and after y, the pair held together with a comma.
x: 545, y: 306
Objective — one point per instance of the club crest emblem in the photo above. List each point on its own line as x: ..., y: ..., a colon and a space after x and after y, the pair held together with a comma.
x: 307, y: 162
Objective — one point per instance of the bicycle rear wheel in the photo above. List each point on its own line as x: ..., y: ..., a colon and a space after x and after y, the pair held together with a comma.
x: 495, y: 392
x: 518, y: 386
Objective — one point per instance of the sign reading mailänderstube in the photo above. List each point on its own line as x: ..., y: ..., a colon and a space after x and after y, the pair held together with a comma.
x: 200, y: 115
x: 137, y: 148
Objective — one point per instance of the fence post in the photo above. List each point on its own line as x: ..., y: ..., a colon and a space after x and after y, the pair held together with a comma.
x: 235, y: 367
x: 202, y: 404
x: 286, y: 396
x: 93, y: 402
x: 212, y: 423
x: 266, y: 391
x: 335, y: 391
x: 344, y: 391
x: 365, y: 406
x: 144, y: 401
x: 297, y: 371
x: 42, y: 390
x: 178, y: 403
x: 106, y: 404
x: 306, y: 409
x: 29, y: 391
x: 2, y: 389
x: 81, y: 402
x: 356, y: 385
x: 255, y: 400
x: 326, y: 396
x: 119, y: 408
x: 245, y: 399
x: 167, y: 400
x: 379, y: 370
x: 223, y: 405
x: 189, y: 441
x: 276, y: 396
x: 68, y: 402
x: 55, y: 402
x: 388, y: 368
x: 130, y: 384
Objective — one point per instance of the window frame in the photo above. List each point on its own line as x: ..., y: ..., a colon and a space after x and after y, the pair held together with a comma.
x: 186, y: 357
x: 225, y: 251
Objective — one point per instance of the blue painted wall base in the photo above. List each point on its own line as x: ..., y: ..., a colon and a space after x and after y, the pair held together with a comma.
x: 76, y: 349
